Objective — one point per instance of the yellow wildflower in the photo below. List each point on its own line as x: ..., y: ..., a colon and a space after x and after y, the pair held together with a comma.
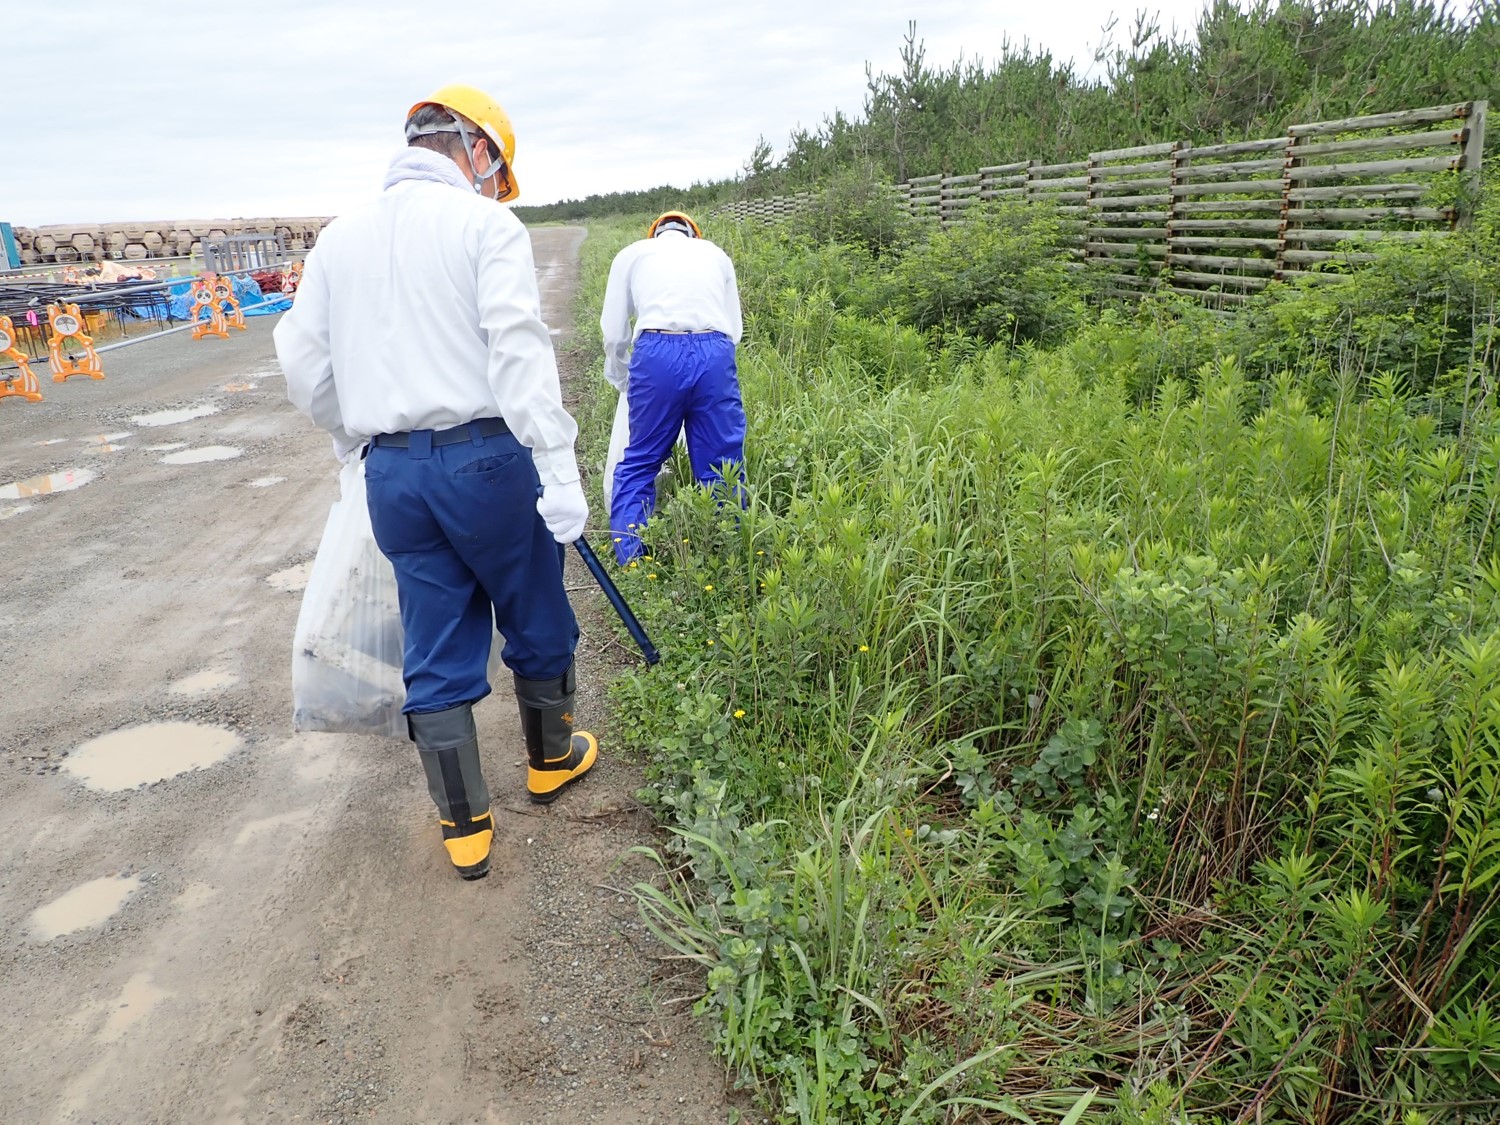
x: 740, y: 714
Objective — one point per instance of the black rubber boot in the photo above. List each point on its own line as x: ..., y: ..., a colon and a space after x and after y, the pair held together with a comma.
x: 448, y: 745
x: 558, y: 754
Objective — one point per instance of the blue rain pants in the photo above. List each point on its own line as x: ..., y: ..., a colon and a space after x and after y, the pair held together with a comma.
x: 460, y: 526
x: 677, y: 381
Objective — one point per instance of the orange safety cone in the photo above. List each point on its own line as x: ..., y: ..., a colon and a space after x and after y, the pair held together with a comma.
x: 22, y: 385
x: 204, y: 298
x: 67, y: 329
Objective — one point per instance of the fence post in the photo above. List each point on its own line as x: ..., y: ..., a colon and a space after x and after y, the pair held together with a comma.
x: 1473, y: 162
x: 1291, y: 161
x: 1182, y: 156
x: 1031, y: 166
x: 1091, y: 196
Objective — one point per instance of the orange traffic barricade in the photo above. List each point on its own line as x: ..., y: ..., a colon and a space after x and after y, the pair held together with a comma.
x: 67, y: 333
x: 23, y: 384
x: 291, y: 279
x: 228, y: 303
x: 204, y: 299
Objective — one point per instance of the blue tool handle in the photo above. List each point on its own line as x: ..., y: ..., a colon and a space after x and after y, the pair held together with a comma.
x: 616, y: 599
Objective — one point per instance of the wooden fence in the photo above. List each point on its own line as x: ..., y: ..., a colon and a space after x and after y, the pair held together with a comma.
x: 1221, y: 221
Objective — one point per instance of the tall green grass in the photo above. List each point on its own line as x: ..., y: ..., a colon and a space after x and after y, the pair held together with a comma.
x: 1109, y: 725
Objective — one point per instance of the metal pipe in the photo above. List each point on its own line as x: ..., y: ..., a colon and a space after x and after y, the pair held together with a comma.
x: 152, y: 336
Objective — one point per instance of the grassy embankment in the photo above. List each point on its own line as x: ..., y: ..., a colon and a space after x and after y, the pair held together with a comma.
x: 1087, y: 700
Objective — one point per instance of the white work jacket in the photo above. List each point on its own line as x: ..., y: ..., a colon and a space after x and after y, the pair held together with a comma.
x: 671, y: 282
x: 421, y: 311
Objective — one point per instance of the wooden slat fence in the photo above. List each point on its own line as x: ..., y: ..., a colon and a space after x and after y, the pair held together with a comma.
x: 1219, y: 222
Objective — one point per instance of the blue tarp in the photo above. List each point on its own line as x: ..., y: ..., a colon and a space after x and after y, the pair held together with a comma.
x: 245, y: 288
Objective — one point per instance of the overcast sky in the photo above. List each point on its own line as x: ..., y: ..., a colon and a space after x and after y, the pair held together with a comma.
x: 136, y: 109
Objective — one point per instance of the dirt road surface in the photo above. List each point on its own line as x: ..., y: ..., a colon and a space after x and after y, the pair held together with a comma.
x: 207, y: 918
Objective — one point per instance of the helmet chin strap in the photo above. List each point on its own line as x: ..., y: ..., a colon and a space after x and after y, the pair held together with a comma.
x: 496, y: 166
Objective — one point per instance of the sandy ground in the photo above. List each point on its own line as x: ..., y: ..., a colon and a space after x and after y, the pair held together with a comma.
x: 221, y: 921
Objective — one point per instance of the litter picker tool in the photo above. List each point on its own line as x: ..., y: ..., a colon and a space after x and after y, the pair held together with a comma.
x: 616, y: 599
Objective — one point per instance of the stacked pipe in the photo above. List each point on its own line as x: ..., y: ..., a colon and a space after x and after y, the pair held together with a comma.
x: 61, y: 243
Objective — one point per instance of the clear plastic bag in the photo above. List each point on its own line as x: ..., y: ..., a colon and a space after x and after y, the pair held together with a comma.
x: 346, y: 652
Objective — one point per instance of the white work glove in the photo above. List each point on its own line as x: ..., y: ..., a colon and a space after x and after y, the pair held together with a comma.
x: 564, y: 510
x: 347, y: 448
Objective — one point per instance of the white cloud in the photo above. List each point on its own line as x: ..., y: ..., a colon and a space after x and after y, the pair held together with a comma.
x: 285, y: 106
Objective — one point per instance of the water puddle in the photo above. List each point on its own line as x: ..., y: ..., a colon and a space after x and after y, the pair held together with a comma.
x: 180, y: 414
x: 65, y: 481
x: 167, y: 447
x: 131, y: 1006
x: 105, y: 439
x: 154, y: 752
x: 267, y: 482
x: 204, y: 682
x: 83, y: 907
x: 292, y: 579
x: 6, y: 513
x: 202, y: 454
x: 195, y: 896
x: 238, y: 388
x: 51, y: 441
x: 277, y: 823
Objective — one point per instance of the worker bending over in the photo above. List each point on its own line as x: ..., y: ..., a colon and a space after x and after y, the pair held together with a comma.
x: 417, y: 335
x: 671, y: 321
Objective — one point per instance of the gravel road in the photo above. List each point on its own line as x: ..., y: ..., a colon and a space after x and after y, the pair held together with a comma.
x: 207, y: 918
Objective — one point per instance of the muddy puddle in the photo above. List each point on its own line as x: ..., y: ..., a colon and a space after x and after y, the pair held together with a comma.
x: 84, y: 907
x: 174, y: 416
x: 204, y: 682
x: 267, y: 482
x: 51, y: 441
x: 238, y: 388
x: 105, y: 439
x: 6, y: 513
x: 292, y: 579
x: 167, y: 447
x: 131, y: 1006
x: 145, y: 754
x: 65, y: 481
x: 202, y: 454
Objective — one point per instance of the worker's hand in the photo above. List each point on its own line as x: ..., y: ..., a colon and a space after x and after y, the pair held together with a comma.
x: 347, y: 448
x: 564, y: 510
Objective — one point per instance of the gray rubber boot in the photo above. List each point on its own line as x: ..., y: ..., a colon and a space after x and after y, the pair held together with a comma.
x: 448, y: 745
x: 558, y: 754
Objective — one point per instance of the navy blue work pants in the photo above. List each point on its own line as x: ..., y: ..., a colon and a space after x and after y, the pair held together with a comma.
x: 459, y: 524
x: 677, y: 381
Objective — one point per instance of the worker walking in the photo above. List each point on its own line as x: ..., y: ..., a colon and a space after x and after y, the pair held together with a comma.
x: 671, y: 321
x: 417, y: 341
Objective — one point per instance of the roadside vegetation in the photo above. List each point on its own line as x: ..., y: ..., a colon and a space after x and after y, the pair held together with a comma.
x: 1092, y: 703
x: 1095, y: 715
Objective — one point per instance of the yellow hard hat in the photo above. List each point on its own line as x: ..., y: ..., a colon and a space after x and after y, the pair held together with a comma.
x: 485, y: 112
x: 679, y: 216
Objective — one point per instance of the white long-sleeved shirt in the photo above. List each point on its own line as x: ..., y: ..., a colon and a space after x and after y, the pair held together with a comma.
x: 421, y: 311
x: 670, y: 282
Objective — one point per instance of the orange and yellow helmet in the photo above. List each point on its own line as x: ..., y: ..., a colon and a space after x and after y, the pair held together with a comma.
x: 493, y: 121
x: 674, y: 217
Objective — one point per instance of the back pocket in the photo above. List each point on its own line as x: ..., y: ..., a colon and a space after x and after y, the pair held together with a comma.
x: 486, y: 466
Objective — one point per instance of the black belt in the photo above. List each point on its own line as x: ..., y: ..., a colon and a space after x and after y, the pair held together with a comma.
x: 486, y: 428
